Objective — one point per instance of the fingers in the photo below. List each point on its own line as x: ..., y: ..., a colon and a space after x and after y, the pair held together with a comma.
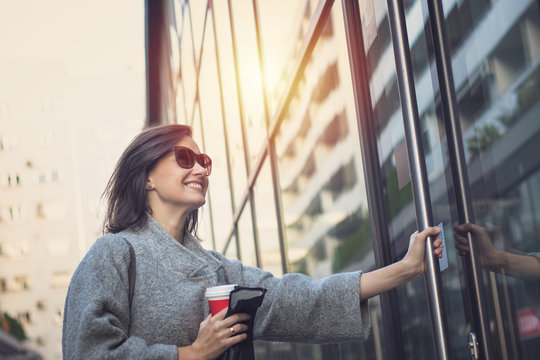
x: 231, y: 319
x: 460, y: 238
x: 433, y: 231
x: 467, y: 227
x: 231, y: 325
x: 430, y: 231
x: 438, y: 252
x: 220, y: 315
x: 235, y: 330
x: 204, y: 323
x: 422, y: 236
x: 234, y: 340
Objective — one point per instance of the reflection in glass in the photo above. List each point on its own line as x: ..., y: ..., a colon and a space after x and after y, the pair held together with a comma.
x: 321, y: 178
x: 249, y: 77
x: 280, y: 47
x: 186, y: 90
x: 215, y: 141
x: 499, y: 106
x: 245, y: 234
x: 231, y: 249
x: 224, y: 43
x: 415, y: 318
x: 267, y: 222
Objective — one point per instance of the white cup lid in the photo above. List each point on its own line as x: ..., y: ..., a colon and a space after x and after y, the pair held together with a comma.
x: 221, y: 290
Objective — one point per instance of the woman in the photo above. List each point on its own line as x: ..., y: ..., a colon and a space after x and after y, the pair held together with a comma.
x: 154, y: 195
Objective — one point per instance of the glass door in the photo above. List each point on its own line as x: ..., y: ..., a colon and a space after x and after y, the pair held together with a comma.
x: 479, y: 133
x: 494, y: 49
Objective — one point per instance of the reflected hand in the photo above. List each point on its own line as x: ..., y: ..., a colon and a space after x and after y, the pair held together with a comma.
x: 488, y: 254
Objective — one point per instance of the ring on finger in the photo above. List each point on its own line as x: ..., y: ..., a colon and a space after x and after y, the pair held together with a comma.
x: 232, y: 330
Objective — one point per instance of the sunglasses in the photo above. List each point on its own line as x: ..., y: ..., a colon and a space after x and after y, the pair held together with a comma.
x: 186, y: 158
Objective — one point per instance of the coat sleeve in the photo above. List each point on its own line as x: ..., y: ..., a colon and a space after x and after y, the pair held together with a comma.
x: 96, y: 313
x: 300, y: 309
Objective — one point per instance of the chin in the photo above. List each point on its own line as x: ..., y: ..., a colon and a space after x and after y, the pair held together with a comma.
x: 199, y: 204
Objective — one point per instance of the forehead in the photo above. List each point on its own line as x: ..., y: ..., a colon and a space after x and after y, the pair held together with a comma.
x: 188, y: 142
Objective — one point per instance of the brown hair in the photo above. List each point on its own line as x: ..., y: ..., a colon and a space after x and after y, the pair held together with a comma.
x: 125, y: 192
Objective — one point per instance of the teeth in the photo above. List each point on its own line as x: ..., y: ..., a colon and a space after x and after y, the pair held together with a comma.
x: 195, y: 186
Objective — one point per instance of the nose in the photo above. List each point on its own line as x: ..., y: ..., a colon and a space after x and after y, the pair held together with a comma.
x: 198, y: 169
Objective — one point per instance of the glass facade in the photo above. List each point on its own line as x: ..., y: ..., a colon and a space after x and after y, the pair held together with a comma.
x: 274, y: 93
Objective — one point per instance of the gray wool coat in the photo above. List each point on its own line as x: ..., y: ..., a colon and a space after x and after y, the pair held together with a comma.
x: 169, y: 304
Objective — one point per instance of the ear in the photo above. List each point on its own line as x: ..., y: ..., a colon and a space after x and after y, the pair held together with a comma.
x: 149, y: 185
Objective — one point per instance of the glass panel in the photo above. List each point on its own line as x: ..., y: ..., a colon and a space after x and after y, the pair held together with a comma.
x: 215, y: 140
x: 281, y: 47
x: 497, y: 77
x: 72, y: 96
x: 250, y: 77
x: 388, y: 123
x: 321, y: 176
x: 187, y: 67
x: 198, y: 11
x: 456, y: 293
x: 245, y: 233
x: 204, y: 226
x: 232, y: 116
x: 266, y: 222
x: 318, y: 163
x: 231, y: 249
x: 196, y: 127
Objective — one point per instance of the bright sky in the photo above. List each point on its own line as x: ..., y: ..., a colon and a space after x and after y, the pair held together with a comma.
x: 88, y: 37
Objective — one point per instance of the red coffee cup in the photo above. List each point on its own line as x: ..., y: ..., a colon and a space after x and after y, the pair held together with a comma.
x: 218, y: 297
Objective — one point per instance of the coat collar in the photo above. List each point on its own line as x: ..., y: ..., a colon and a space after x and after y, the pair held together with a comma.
x: 190, y: 258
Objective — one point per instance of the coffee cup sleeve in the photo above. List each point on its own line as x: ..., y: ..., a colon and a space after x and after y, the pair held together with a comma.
x: 244, y: 300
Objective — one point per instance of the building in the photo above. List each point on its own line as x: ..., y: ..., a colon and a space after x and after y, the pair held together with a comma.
x: 51, y: 184
x: 381, y: 118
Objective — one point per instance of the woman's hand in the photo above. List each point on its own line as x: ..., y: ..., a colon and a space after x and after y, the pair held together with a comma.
x: 414, y: 259
x: 216, y: 334
x: 386, y: 278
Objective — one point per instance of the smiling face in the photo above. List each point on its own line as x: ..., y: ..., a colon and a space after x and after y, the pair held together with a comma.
x: 175, y: 189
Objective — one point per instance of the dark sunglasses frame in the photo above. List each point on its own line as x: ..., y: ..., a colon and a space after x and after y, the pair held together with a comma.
x: 186, y: 158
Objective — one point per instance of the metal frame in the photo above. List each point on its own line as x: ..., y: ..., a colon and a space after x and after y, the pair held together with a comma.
x: 223, y: 116
x: 459, y: 169
x: 318, y: 20
x: 370, y: 158
x: 271, y: 149
x: 251, y: 195
x: 157, y: 43
x: 417, y: 166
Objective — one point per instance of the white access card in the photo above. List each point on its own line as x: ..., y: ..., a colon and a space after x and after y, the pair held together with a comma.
x: 443, y: 262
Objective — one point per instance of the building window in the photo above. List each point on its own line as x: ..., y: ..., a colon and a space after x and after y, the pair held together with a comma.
x: 24, y: 317
x: 21, y: 283
x: 58, y: 246
x: 52, y: 211
x: 13, y: 213
x: 42, y: 178
x: 58, y: 317
x: 4, y: 180
x: 60, y: 280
